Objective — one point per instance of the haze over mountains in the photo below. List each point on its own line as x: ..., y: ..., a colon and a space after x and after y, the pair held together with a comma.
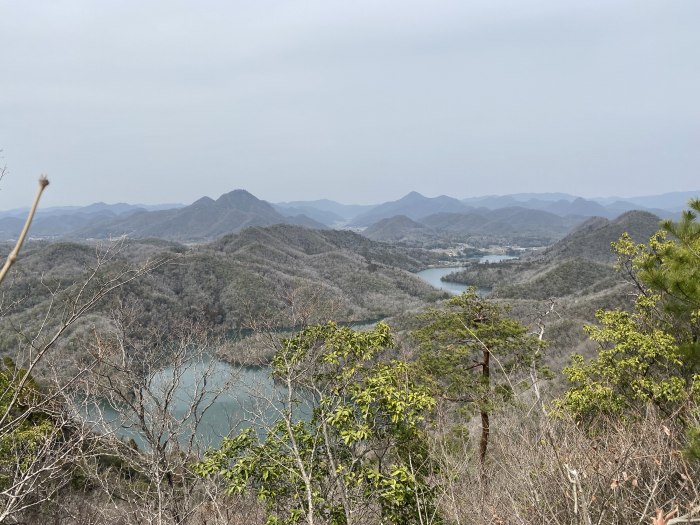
x: 531, y: 218
x: 580, y: 266
x: 205, y: 219
x: 591, y: 239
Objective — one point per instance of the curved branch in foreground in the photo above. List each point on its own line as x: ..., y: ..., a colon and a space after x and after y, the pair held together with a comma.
x: 43, y: 182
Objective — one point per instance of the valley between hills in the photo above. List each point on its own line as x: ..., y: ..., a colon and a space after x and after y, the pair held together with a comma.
x: 233, y: 263
x: 168, y: 353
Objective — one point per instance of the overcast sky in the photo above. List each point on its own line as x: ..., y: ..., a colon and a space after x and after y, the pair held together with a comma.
x: 357, y: 101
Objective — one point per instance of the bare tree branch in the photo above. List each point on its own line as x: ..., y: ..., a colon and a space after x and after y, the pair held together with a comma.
x: 12, y: 257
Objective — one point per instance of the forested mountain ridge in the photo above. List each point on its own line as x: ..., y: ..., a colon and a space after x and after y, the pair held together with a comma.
x: 313, y: 242
x: 400, y: 228
x: 204, y: 219
x: 589, y: 244
x: 413, y: 205
x: 228, y: 283
x: 62, y: 221
x: 511, y: 225
x: 591, y: 239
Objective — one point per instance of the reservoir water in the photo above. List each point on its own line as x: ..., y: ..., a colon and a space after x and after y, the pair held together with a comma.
x: 234, y: 398
x: 433, y: 276
x: 485, y: 259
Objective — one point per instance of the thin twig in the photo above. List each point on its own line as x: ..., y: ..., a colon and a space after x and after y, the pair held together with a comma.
x: 43, y: 182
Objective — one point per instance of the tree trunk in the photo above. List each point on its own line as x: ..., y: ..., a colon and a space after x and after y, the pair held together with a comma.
x: 486, y: 373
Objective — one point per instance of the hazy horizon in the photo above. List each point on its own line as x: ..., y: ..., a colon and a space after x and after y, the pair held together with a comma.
x: 187, y: 203
x: 167, y: 102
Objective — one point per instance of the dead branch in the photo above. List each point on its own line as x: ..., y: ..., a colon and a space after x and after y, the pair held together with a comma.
x: 12, y: 257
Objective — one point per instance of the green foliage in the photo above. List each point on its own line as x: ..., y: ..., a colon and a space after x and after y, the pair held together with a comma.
x: 650, y: 355
x: 459, y: 343
x: 360, y: 451
x: 636, y: 363
x: 670, y: 268
x: 459, y: 340
x: 692, y: 449
x: 24, y: 430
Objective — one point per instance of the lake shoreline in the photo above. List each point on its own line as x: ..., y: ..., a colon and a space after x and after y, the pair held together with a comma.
x: 435, y: 275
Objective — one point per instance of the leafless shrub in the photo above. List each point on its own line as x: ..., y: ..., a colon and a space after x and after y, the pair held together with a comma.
x: 552, y: 471
x: 41, y: 437
x: 148, y: 398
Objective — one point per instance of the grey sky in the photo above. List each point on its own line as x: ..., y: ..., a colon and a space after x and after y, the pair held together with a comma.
x: 362, y: 101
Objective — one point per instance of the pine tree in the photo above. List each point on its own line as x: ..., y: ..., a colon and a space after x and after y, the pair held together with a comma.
x: 651, y: 354
x: 472, y: 353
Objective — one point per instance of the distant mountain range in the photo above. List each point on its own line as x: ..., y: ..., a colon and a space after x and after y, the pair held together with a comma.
x: 531, y: 217
x: 509, y: 225
x: 205, y: 219
x: 335, y: 210
x: 668, y: 202
x: 414, y: 206
x: 95, y: 208
x: 62, y: 221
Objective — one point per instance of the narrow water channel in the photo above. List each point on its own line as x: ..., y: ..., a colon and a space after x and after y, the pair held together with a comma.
x: 433, y: 276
